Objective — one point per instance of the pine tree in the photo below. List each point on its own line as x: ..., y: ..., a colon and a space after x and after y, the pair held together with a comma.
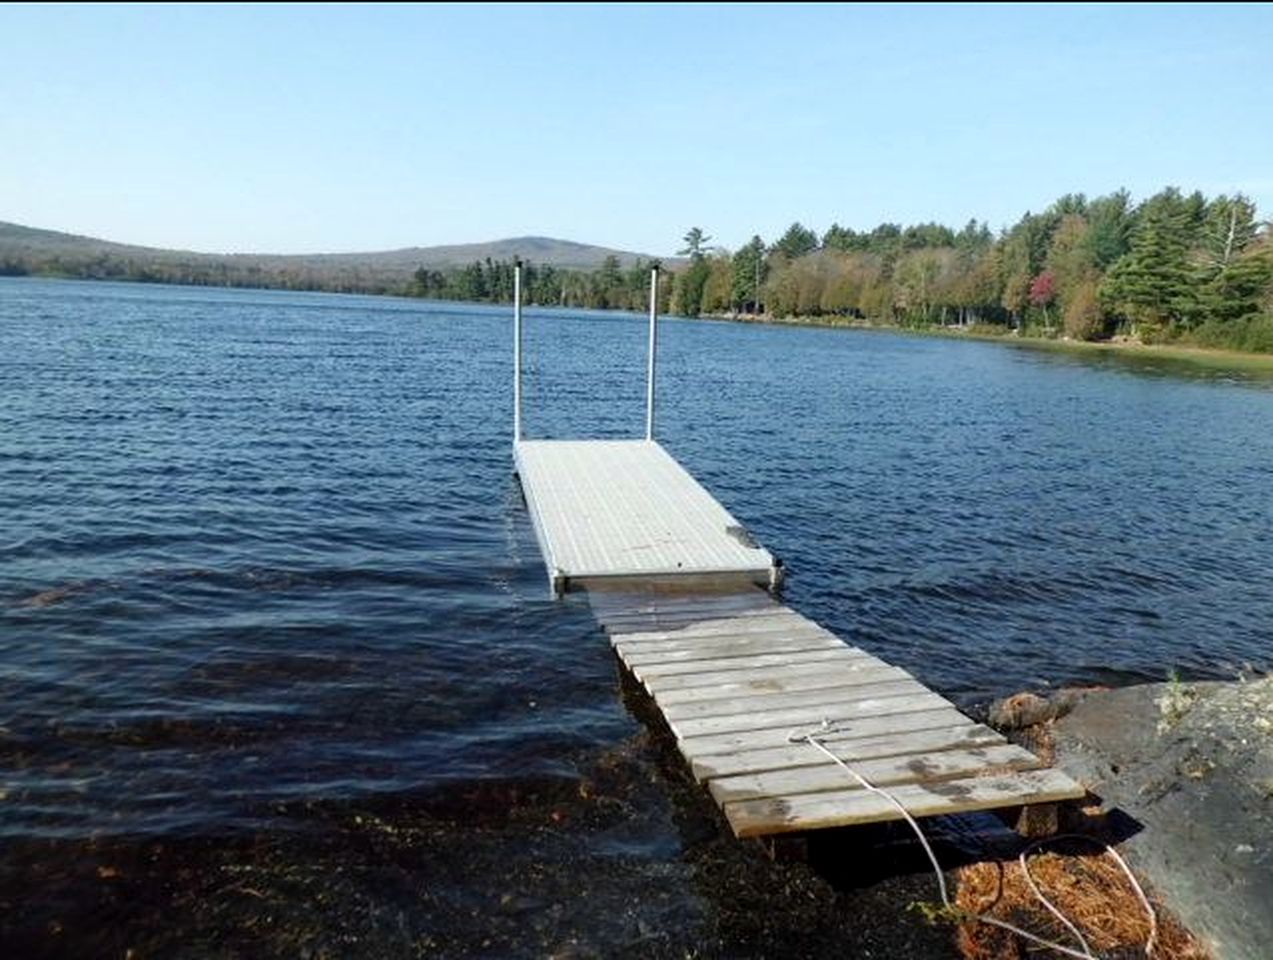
x: 1109, y: 227
x: 1153, y: 285
x: 695, y: 243
x: 1236, y: 291
x: 750, y: 271
x: 796, y: 242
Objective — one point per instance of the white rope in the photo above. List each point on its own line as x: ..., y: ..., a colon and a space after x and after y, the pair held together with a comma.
x: 932, y: 857
x: 812, y: 738
x: 1144, y: 901
x: 1051, y: 907
x: 1152, y: 941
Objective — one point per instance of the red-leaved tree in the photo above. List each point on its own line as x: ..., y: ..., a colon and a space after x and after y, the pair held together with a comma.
x: 1043, y: 289
x: 1043, y: 292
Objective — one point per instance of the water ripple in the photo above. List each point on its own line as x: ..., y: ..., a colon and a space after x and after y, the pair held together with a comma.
x: 266, y: 550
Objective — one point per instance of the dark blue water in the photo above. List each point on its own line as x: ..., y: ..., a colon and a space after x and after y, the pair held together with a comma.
x: 260, y: 547
x: 279, y: 674
x: 266, y: 546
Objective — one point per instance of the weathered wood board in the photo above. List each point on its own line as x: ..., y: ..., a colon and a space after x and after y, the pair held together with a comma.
x: 740, y: 680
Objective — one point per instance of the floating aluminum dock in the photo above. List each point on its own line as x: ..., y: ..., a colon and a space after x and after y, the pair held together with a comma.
x: 744, y: 683
x: 609, y: 512
x: 613, y: 513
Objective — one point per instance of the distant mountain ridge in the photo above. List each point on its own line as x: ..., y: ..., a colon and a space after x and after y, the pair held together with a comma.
x: 22, y: 243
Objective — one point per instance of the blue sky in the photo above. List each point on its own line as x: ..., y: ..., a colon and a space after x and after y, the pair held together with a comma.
x: 301, y: 129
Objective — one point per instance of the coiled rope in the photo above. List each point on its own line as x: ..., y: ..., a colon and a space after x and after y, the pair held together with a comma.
x: 813, y: 738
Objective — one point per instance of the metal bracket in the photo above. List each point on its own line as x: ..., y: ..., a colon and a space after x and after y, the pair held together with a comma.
x: 777, y: 577
x: 557, y: 583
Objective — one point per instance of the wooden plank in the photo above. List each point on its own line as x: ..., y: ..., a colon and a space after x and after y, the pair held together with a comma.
x: 731, y: 648
x: 683, y: 620
x: 645, y: 602
x: 638, y: 623
x: 730, y: 627
x: 809, y: 715
x: 882, y: 771
x: 816, y: 811
x: 777, y: 680
x: 618, y: 619
x: 621, y: 642
x: 797, y: 631
x: 839, y: 654
x: 793, y: 755
x: 696, y: 748
x: 761, y: 702
x: 855, y: 662
x: 653, y: 599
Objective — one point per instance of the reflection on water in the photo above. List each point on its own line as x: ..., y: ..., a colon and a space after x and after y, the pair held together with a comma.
x: 1255, y: 370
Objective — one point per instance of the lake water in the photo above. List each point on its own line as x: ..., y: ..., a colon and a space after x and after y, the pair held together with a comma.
x: 262, y: 550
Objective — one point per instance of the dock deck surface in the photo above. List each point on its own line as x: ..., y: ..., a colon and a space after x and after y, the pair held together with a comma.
x: 614, y: 510
x: 736, y: 677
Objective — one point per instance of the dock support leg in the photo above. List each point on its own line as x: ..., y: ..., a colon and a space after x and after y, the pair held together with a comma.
x: 785, y: 847
x: 1033, y: 821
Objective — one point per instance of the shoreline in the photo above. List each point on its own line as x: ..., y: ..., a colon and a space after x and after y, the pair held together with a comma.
x: 1212, y: 358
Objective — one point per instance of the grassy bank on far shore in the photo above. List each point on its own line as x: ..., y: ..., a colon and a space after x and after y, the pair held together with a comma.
x: 1254, y: 364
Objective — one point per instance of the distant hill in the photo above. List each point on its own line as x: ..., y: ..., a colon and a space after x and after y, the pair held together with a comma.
x: 28, y: 250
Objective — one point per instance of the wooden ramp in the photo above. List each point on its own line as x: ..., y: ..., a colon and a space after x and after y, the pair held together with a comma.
x: 737, y: 677
x: 619, y: 511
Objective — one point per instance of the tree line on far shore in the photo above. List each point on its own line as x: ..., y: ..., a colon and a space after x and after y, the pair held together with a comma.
x: 1173, y: 267
x: 202, y: 270
x: 609, y: 287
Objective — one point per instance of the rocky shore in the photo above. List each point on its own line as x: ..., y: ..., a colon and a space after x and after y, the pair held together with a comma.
x: 1191, y: 766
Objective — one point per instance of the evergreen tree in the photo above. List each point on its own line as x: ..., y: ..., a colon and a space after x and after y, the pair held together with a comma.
x: 695, y: 244
x: 842, y: 238
x: 796, y: 242
x: 1110, y: 223
x: 1236, y: 291
x: 884, y: 239
x: 687, y: 288
x: 973, y: 237
x: 750, y: 271
x: 1229, y: 227
x: 1152, y: 286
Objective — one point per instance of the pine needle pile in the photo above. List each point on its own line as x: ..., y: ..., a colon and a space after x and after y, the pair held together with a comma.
x: 1091, y: 890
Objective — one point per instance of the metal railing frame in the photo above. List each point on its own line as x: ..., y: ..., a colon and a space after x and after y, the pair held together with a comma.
x: 518, y: 433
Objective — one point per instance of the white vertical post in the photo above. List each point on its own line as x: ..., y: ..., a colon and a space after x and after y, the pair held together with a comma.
x: 654, y: 345
x: 517, y: 351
